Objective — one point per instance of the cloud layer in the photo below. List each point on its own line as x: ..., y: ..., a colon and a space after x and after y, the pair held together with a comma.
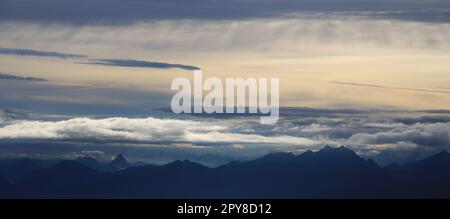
x: 430, y: 135
x: 115, y: 12
x: 386, y: 136
x: 138, y: 130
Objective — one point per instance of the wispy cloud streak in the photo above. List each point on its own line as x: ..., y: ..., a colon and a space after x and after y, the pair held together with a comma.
x: 392, y: 88
x: 110, y: 62
x: 31, y: 52
x: 139, y: 64
x: 18, y: 78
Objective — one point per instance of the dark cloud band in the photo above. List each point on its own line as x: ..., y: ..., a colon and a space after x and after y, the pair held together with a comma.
x: 18, y: 78
x: 140, y: 64
x: 109, y: 62
x: 30, y: 52
x: 117, y: 12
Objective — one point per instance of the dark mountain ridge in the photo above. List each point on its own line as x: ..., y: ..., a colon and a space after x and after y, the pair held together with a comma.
x: 327, y: 173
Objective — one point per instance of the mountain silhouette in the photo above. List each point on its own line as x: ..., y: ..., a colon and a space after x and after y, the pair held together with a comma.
x: 430, y: 176
x: 330, y: 172
x: 327, y: 173
x: 63, y: 178
x: 15, y: 169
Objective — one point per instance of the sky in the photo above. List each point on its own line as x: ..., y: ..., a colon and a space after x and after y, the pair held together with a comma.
x: 95, y: 76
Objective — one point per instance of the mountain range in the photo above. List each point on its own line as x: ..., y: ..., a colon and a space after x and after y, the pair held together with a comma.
x: 327, y: 173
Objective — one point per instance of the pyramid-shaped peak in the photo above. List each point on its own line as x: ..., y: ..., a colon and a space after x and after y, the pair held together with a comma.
x: 120, y: 160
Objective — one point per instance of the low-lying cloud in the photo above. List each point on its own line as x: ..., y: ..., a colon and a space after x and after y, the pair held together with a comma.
x: 336, y: 129
x: 138, y: 130
x: 431, y: 135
